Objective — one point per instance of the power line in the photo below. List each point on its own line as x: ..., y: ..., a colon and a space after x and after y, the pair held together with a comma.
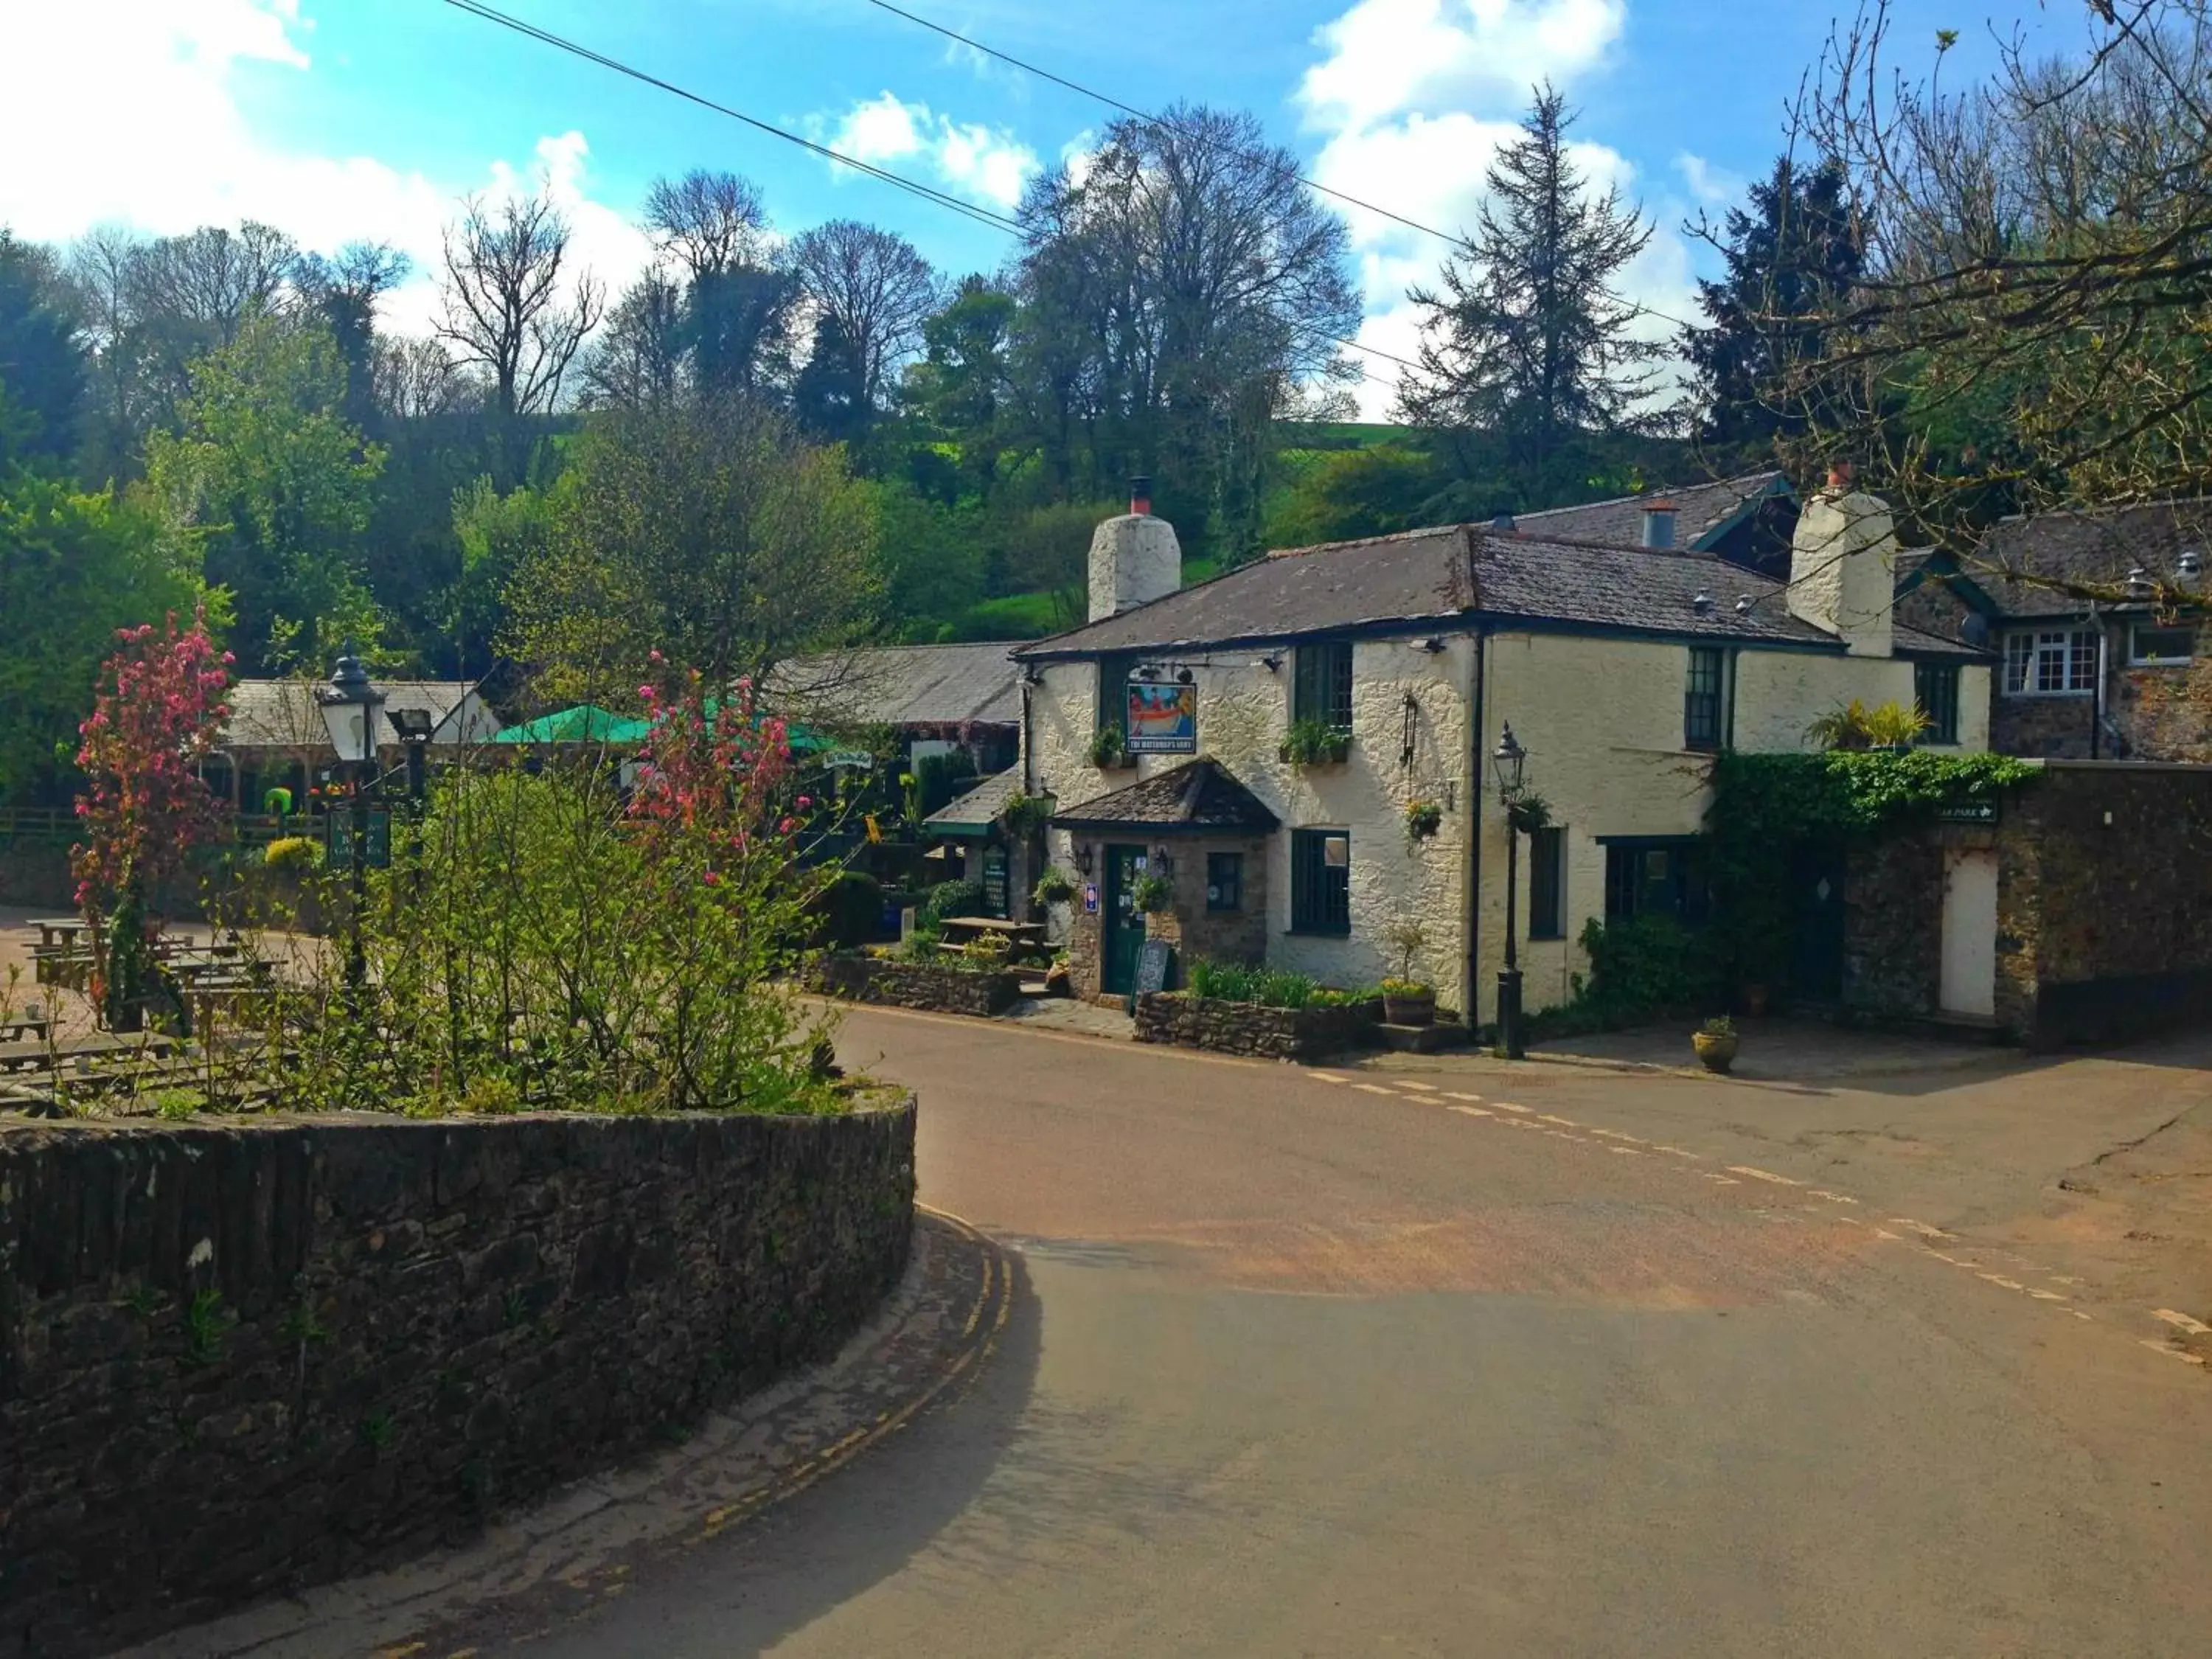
x: 914, y: 187
x: 1150, y: 119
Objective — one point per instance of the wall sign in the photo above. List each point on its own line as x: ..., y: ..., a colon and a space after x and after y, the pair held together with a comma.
x: 1090, y: 898
x: 1162, y: 718
x: 1968, y: 812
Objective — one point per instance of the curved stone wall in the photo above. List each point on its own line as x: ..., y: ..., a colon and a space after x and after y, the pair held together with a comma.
x: 240, y: 1358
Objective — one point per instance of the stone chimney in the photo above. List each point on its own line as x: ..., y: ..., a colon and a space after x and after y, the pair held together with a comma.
x: 1134, y: 558
x: 1842, y: 566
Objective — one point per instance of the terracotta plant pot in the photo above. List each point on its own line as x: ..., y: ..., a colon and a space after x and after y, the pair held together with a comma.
x: 1718, y: 1053
x: 1413, y: 1008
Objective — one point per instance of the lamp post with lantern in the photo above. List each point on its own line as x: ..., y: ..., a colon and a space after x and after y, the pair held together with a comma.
x: 1509, y: 758
x: 350, y: 707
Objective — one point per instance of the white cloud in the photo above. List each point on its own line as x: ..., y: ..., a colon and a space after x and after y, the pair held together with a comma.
x: 1384, y: 57
x: 985, y: 164
x: 1712, y: 186
x: 168, y: 148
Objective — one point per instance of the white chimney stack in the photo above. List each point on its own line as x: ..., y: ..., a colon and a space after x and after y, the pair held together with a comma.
x: 1842, y: 566
x: 1135, y: 558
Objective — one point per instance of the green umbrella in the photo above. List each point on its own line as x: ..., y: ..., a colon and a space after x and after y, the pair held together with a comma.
x: 585, y: 723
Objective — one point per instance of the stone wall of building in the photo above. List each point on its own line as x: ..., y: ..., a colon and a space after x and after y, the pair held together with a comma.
x: 2105, y: 902
x: 944, y: 990
x: 238, y: 1359
x: 1245, y: 1028
x: 1893, y: 926
x: 2050, y: 728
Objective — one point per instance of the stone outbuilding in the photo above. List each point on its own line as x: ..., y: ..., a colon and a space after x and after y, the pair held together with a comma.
x: 1199, y: 829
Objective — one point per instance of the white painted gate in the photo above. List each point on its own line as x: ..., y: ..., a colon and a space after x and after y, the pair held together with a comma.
x: 1970, y: 933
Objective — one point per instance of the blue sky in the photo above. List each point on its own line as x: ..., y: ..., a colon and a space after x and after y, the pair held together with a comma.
x: 337, y: 119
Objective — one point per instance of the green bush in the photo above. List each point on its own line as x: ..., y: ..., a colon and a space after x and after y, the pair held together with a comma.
x: 1641, y: 967
x: 1270, y: 988
x: 294, y: 854
x: 953, y: 898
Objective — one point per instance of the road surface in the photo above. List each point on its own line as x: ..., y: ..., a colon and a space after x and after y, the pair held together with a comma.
x: 1333, y: 1363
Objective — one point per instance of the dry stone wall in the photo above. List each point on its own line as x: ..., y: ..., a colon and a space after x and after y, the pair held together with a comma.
x: 238, y: 1359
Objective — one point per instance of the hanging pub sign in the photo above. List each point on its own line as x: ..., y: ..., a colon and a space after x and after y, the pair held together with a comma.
x: 1162, y: 718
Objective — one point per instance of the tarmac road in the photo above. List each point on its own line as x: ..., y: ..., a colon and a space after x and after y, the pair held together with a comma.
x: 1317, y: 1363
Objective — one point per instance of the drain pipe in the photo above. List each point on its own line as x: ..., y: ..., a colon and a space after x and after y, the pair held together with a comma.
x: 1474, y: 835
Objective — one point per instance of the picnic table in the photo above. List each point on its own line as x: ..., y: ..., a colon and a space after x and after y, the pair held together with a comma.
x: 93, y: 1046
x: 59, y: 933
x: 1022, y: 935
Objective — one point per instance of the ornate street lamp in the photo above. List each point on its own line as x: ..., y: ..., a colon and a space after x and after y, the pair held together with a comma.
x: 350, y: 708
x: 1509, y: 758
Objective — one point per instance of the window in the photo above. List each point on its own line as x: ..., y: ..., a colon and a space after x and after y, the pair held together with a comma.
x: 1548, y: 884
x: 2051, y: 663
x: 1647, y: 877
x: 2155, y: 647
x: 1320, y: 881
x: 1701, y: 702
x: 1114, y: 692
x: 1224, y: 881
x: 1935, y: 688
x: 1320, y: 688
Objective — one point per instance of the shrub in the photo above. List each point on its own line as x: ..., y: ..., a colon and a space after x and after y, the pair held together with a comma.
x: 1269, y: 987
x: 1055, y: 887
x: 953, y: 898
x: 1641, y: 967
x: 1109, y: 748
x: 988, y: 950
x: 1152, y: 894
x: 295, y: 855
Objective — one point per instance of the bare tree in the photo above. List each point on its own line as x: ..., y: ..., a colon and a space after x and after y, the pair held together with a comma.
x: 708, y: 222
x: 413, y: 378
x: 875, y: 288
x: 504, y: 310
x: 211, y: 280
x: 639, y: 360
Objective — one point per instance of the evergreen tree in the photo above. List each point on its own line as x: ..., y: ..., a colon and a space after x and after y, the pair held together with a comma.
x: 1792, y: 259
x: 1527, y: 341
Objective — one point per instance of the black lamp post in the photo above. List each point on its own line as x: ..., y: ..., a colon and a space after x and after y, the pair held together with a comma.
x: 351, y: 705
x: 1509, y: 757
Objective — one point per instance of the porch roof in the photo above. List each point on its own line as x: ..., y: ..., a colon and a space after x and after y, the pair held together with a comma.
x: 973, y: 814
x: 1200, y: 797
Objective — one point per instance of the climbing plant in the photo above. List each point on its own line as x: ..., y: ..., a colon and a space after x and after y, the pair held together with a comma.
x: 1766, y: 806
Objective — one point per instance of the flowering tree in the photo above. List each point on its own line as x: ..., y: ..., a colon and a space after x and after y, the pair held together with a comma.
x: 156, y: 715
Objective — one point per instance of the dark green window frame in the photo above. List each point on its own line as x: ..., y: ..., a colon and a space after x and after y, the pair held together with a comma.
x: 1321, y: 683
x: 1224, y: 881
x: 1935, y: 689
x: 1704, y: 698
x: 1321, y: 892
x: 1114, y: 692
x: 1548, y: 882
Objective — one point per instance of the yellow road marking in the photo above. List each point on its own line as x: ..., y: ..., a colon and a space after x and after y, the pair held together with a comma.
x: 1408, y: 1082
x: 2183, y: 1321
x: 1328, y: 1076
x: 1374, y: 1089
x: 1763, y: 1175
x: 2157, y: 1346
x: 1722, y: 1180
x: 1508, y: 1106
x: 1832, y: 1198
x: 1626, y: 1151
x: 1920, y: 1227
x: 1662, y: 1146
x: 1470, y: 1111
x: 1999, y: 1278
x: 1563, y: 1122
x: 2046, y: 1296
x: 1453, y: 1094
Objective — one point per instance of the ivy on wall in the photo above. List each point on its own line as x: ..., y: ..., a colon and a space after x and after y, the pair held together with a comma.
x: 1765, y: 807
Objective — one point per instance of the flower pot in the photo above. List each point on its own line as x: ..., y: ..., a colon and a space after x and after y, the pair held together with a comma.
x: 1754, y: 999
x: 1718, y: 1053
x: 1409, y: 1008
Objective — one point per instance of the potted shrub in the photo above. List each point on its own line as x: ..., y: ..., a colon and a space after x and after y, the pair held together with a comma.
x: 1312, y: 742
x: 1528, y: 813
x: 1716, y: 1044
x: 1054, y: 887
x: 1423, y: 819
x: 1407, y: 1000
x: 1110, y: 749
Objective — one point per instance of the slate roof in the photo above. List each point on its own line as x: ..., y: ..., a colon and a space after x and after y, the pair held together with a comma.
x: 1700, y: 510
x: 973, y: 685
x: 1456, y: 576
x: 282, y: 714
x: 1200, y: 796
x: 2093, y: 549
x: 979, y: 808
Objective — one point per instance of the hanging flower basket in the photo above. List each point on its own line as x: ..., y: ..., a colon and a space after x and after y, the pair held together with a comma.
x: 1423, y: 819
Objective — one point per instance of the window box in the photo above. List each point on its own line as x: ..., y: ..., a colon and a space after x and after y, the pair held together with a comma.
x: 1314, y: 742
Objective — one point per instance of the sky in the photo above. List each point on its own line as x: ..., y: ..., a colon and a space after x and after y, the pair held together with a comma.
x: 344, y: 119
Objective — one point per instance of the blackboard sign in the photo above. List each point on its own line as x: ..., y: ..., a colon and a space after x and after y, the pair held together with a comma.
x: 377, y: 841
x: 1154, y: 965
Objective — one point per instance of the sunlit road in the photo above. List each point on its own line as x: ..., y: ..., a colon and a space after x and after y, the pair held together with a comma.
x: 1305, y: 1364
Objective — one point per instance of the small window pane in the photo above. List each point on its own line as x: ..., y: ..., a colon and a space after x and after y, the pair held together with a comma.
x: 2083, y: 675
x: 1936, y: 687
x: 2161, y: 645
x: 1224, y: 881
x: 1321, y: 684
x: 1701, y: 701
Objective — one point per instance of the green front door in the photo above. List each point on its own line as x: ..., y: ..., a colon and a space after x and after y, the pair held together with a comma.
x: 1119, y: 921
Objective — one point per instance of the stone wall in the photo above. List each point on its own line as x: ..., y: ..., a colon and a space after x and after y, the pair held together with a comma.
x: 35, y: 874
x: 1239, y: 935
x: 1894, y: 927
x: 238, y: 1359
x: 1246, y: 1028
x: 944, y: 990
x: 2105, y: 902
x: 2055, y: 728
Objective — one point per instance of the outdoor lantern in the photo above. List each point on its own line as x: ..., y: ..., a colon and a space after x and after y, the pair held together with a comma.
x: 1083, y: 857
x: 349, y: 705
x: 2139, y: 584
x: 413, y: 726
x: 1509, y: 757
